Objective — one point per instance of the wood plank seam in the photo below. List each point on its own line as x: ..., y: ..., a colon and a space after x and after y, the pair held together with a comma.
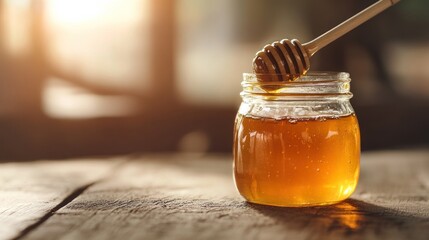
x: 62, y: 204
x: 69, y: 198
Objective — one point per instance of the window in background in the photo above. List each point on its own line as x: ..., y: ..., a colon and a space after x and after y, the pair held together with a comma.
x: 98, y: 45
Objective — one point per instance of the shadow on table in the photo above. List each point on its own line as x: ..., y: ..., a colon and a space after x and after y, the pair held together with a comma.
x: 348, y: 217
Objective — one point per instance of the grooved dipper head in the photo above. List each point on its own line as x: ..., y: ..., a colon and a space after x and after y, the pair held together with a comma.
x: 281, y: 61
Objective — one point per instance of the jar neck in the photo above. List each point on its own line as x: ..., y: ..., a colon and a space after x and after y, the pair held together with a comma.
x: 296, y: 109
x: 317, y: 95
x: 315, y: 86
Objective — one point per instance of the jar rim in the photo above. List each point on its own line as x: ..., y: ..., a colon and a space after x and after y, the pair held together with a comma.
x: 313, y: 85
x: 310, y: 77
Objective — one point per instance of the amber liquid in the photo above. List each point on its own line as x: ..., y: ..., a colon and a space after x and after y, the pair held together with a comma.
x: 296, y: 162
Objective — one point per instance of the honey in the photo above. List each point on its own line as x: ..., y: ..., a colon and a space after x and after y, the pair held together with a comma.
x: 295, y: 147
x: 296, y: 162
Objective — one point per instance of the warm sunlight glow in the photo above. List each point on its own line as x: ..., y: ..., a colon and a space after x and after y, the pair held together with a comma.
x: 75, y: 11
x: 83, y: 12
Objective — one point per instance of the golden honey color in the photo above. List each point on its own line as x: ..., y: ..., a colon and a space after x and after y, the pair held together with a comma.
x: 296, y: 162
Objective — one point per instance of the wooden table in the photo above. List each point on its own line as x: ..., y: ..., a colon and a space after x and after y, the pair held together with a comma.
x: 193, y: 197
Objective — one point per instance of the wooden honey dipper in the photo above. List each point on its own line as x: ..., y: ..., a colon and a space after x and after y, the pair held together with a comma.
x: 289, y: 59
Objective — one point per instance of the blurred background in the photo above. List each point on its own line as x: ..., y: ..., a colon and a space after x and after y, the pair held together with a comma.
x: 99, y: 77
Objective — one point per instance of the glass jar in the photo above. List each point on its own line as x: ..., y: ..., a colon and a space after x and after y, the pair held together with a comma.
x: 296, y: 143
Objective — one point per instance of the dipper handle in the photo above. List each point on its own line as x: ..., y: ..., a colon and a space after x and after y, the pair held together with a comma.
x: 350, y: 24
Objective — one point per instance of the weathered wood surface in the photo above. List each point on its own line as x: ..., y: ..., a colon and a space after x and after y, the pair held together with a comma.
x: 185, y: 197
x: 29, y: 192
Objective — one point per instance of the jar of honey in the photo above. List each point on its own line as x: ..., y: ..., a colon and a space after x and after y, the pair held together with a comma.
x: 296, y: 143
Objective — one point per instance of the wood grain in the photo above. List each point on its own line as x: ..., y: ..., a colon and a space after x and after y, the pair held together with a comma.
x: 190, y: 197
x: 29, y: 192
